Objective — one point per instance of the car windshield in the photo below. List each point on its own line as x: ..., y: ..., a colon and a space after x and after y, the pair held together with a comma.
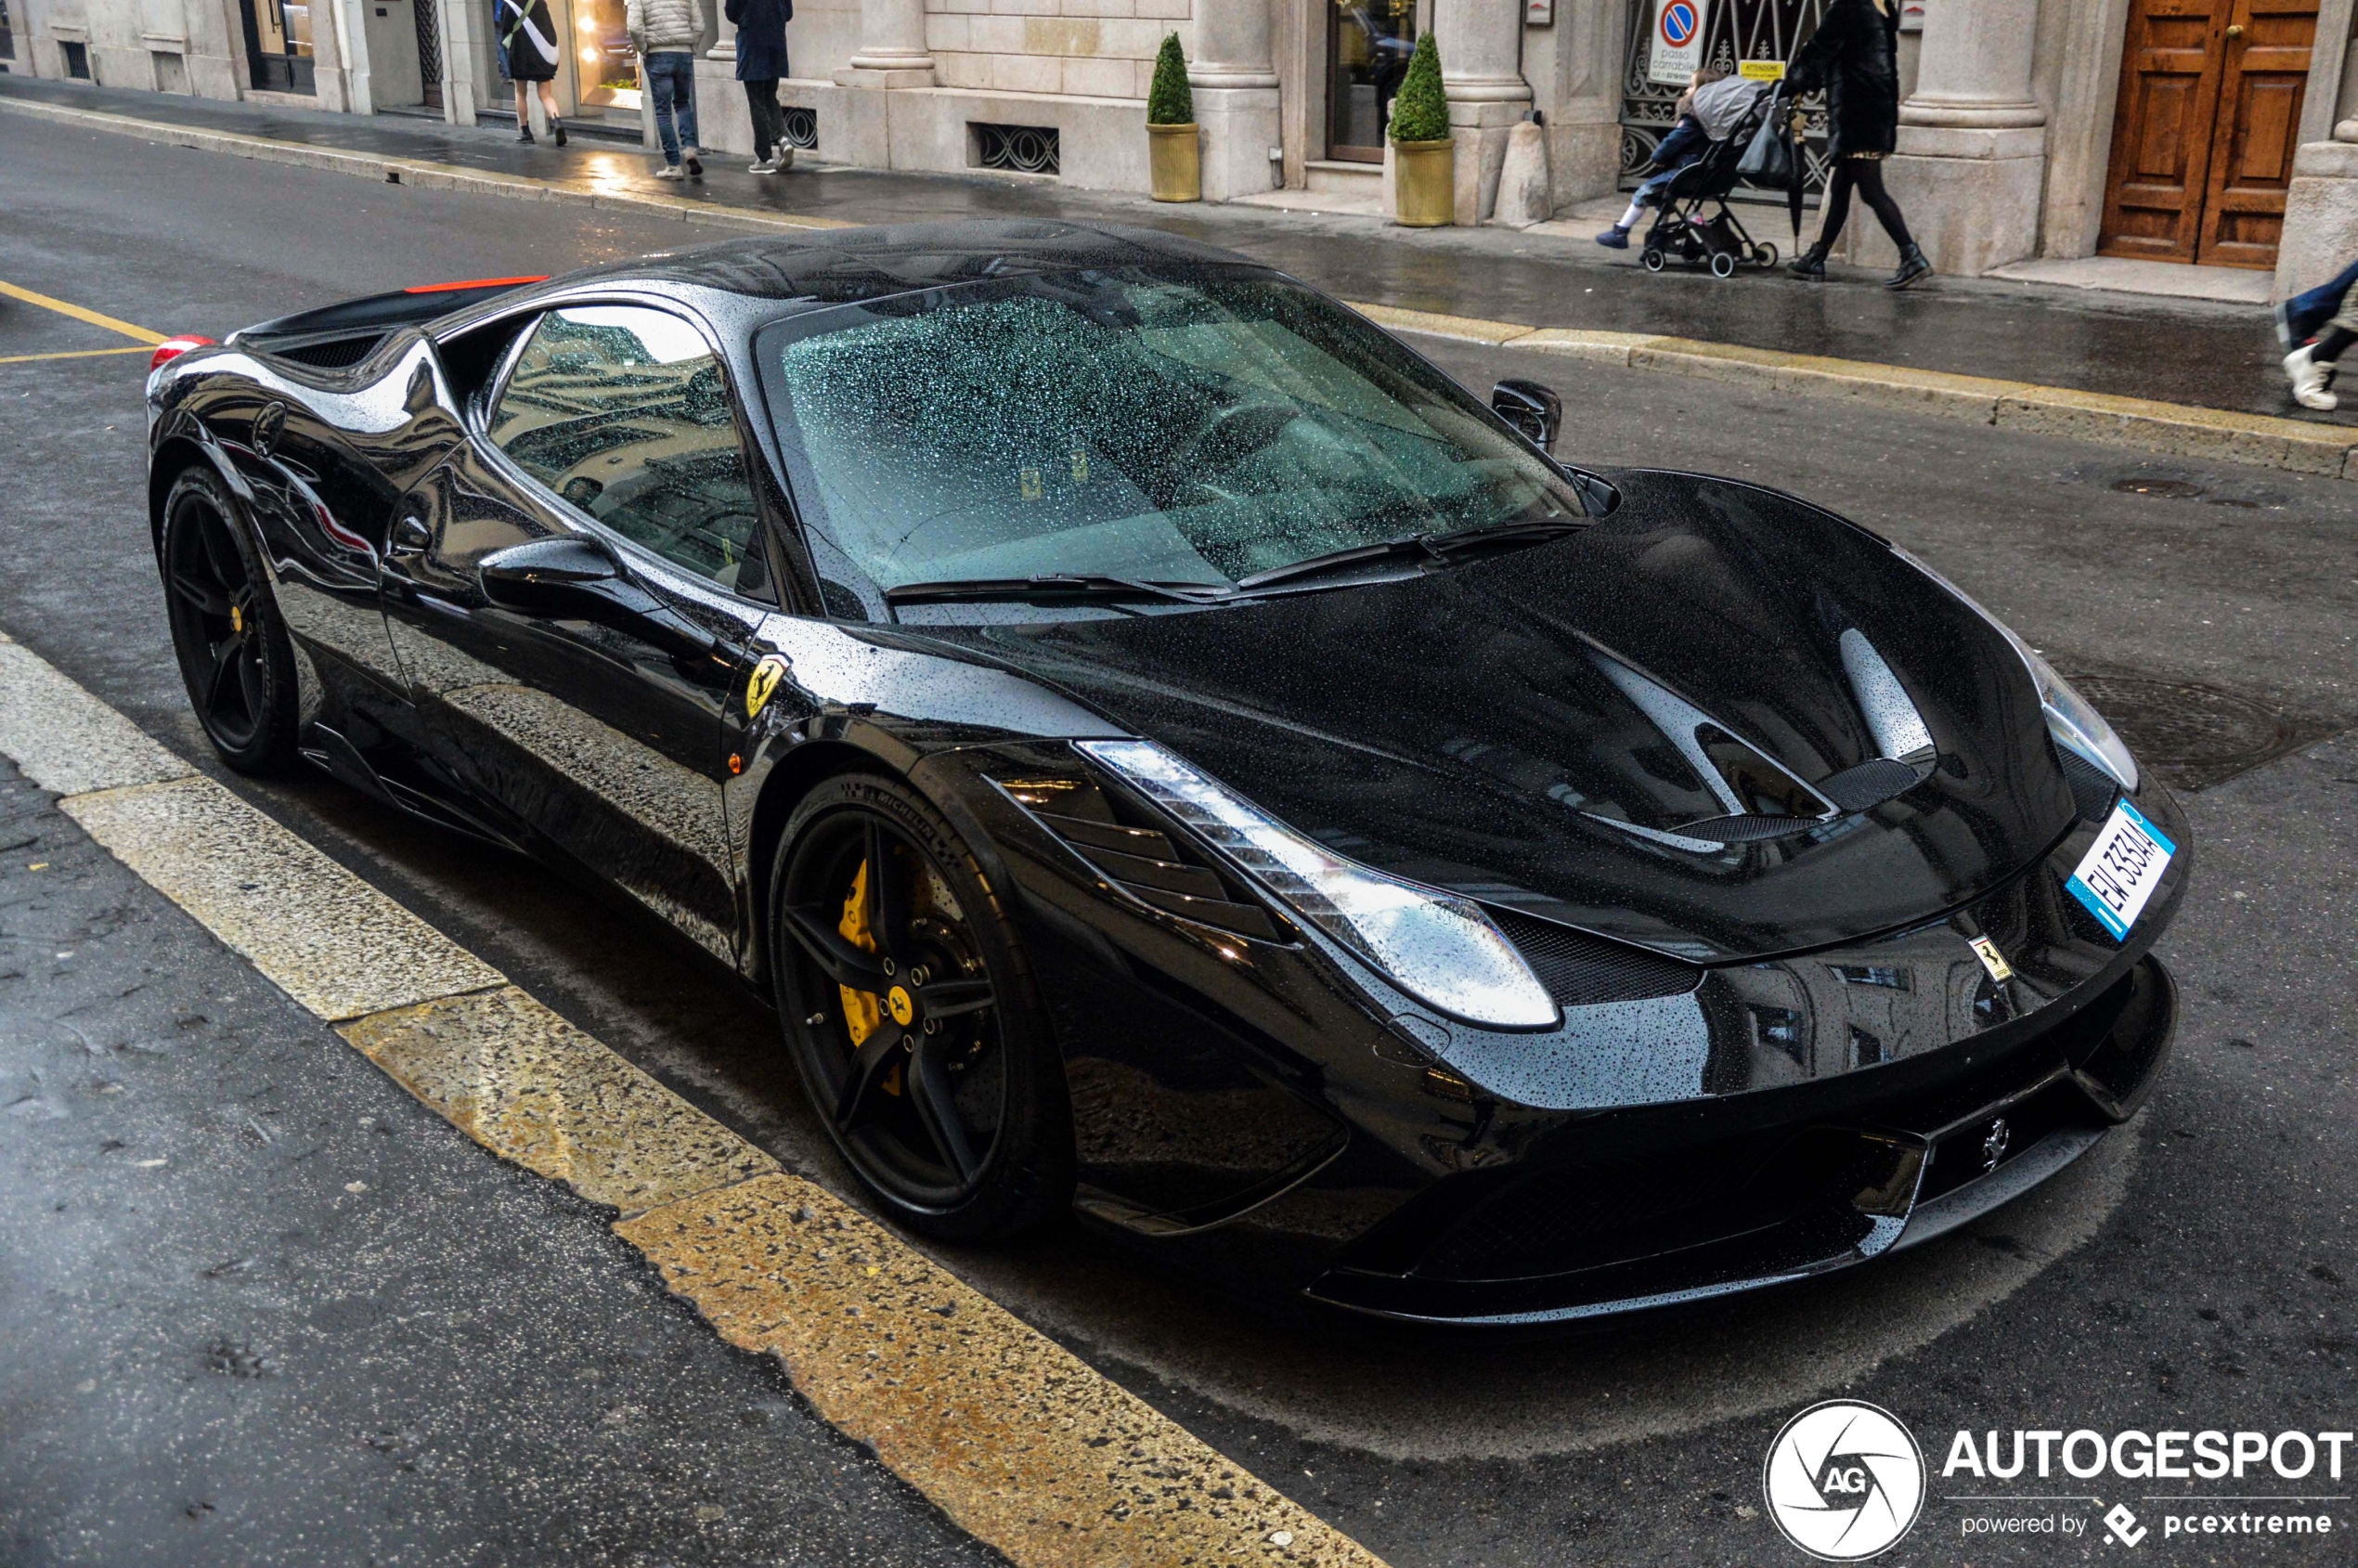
x: 1125, y: 424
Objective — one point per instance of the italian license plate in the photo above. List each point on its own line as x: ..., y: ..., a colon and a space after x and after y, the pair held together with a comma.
x: 2121, y: 869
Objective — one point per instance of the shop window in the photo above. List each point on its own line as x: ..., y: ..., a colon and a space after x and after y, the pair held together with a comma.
x: 606, y: 60
x: 1368, y: 42
x: 279, y: 35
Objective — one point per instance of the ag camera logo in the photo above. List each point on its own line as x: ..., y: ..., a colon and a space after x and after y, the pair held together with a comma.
x: 1844, y: 1480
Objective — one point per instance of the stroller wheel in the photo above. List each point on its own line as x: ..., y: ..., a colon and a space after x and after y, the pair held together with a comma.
x: 1723, y: 264
x: 1652, y: 258
x: 1763, y: 255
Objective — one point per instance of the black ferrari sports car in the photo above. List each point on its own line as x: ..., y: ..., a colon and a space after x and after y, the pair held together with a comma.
x: 1170, y: 752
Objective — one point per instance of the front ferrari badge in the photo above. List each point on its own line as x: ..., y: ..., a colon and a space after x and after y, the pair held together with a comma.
x: 1993, y: 960
x: 764, y: 680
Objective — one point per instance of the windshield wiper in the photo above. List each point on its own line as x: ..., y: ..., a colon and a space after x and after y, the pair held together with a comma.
x: 1430, y: 547
x: 1056, y: 585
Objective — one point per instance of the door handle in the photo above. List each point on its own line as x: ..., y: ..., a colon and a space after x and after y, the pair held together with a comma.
x: 2234, y: 32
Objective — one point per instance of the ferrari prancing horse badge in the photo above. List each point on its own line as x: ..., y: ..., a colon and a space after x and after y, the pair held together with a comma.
x: 764, y: 680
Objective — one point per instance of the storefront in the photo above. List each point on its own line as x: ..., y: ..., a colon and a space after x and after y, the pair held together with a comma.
x: 1368, y: 42
x: 278, y: 45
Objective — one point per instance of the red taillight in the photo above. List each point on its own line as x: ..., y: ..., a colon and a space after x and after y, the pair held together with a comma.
x: 173, y: 348
x: 474, y: 283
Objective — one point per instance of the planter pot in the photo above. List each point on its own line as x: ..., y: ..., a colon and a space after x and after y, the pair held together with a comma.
x: 1425, y: 177
x: 1174, y: 160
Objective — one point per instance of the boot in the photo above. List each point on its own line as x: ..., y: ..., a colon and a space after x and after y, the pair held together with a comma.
x: 1811, y: 266
x: 1913, y: 267
x: 2308, y: 379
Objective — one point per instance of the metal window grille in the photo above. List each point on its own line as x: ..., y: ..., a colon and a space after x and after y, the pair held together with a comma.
x: 77, y: 62
x: 1734, y: 30
x: 802, y: 127
x: 429, y: 19
x: 1030, y: 149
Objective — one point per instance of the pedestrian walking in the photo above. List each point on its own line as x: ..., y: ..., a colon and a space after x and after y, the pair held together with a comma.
x: 666, y: 34
x: 528, y: 58
x: 2314, y: 329
x: 1854, y: 55
x: 761, y: 63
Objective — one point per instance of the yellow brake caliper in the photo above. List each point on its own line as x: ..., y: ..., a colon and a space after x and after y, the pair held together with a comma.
x: 863, y: 1010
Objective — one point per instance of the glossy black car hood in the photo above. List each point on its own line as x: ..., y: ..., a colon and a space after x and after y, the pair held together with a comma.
x: 1474, y: 727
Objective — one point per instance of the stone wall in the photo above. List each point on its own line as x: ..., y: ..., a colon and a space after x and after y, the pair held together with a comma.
x: 1085, y: 48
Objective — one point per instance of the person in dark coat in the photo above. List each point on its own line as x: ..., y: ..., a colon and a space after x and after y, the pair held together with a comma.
x: 761, y: 62
x: 1854, y: 57
x: 528, y: 54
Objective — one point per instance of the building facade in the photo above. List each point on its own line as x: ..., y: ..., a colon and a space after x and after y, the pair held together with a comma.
x: 2195, y: 132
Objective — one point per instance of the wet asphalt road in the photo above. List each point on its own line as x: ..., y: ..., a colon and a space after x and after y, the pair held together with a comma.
x: 2192, y: 1273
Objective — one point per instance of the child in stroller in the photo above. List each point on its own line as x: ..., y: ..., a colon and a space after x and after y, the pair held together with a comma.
x: 1703, y: 148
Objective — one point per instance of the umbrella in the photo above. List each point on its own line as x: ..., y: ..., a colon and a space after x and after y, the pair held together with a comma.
x: 1797, y: 160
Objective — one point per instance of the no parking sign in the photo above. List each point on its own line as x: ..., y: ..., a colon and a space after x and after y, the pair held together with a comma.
x: 1677, y: 40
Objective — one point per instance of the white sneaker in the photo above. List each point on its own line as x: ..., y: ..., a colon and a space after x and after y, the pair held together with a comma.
x: 764, y: 166
x: 671, y: 172
x: 2308, y: 379
x: 784, y: 159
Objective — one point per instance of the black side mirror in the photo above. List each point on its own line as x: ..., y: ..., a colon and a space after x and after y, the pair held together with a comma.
x: 1532, y: 408
x: 574, y: 578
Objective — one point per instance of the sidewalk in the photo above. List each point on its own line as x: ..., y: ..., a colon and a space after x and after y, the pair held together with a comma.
x: 2185, y: 351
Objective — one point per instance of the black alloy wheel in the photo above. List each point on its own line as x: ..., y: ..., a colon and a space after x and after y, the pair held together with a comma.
x: 234, y: 654
x: 908, y: 1010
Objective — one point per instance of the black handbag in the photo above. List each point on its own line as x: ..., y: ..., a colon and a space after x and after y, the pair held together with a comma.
x: 1769, y: 159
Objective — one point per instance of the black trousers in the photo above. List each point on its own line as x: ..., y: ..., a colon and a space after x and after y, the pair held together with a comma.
x: 768, y: 120
x: 1866, y: 176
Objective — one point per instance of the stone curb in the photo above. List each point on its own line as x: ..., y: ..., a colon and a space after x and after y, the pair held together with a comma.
x: 2176, y: 429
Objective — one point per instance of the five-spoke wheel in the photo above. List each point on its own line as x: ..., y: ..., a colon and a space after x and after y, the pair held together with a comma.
x: 234, y: 655
x: 909, y: 1012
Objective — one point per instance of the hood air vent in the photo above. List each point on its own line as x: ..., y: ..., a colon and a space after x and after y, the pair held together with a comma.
x: 1580, y: 970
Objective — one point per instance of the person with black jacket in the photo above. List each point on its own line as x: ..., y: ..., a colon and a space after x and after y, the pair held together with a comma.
x: 1854, y: 57
x: 761, y: 62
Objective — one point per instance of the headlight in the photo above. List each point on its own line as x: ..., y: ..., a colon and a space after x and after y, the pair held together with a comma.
x: 2071, y: 718
x: 1438, y: 947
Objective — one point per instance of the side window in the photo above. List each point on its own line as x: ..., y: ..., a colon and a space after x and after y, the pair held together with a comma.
x: 623, y: 411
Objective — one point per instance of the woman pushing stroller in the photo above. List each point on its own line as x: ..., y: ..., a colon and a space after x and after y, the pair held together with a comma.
x: 1854, y: 55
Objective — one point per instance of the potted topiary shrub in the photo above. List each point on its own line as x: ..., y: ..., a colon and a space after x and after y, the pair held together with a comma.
x: 1424, y: 158
x: 1174, y: 155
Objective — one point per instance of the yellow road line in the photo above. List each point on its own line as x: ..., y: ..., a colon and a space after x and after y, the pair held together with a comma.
x: 81, y: 312
x: 1020, y: 1442
x: 72, y: 354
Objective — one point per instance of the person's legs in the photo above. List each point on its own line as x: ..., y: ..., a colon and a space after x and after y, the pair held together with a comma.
x: 2301, y: 317
x: 524, y: 111
x: 658, y: 71
x: 755, y: 93
x: 1811, y: 263
x: 2312, y: 366
x: 548, y: 107
x: 1912, y: 265
x: 1649, y: 194
x: 683, y: 83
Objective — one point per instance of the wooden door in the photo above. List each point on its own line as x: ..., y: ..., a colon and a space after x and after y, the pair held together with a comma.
x: 2208, y: 120
x: 2259, y: 129
x: 2161, y: 134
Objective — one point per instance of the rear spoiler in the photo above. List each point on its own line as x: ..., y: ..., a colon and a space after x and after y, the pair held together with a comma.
x: 337, y: 335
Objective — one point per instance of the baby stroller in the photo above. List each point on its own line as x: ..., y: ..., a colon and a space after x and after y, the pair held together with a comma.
x: 1683, y: 229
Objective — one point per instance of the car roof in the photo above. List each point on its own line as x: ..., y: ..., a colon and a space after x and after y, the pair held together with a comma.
x: 823, y: 267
